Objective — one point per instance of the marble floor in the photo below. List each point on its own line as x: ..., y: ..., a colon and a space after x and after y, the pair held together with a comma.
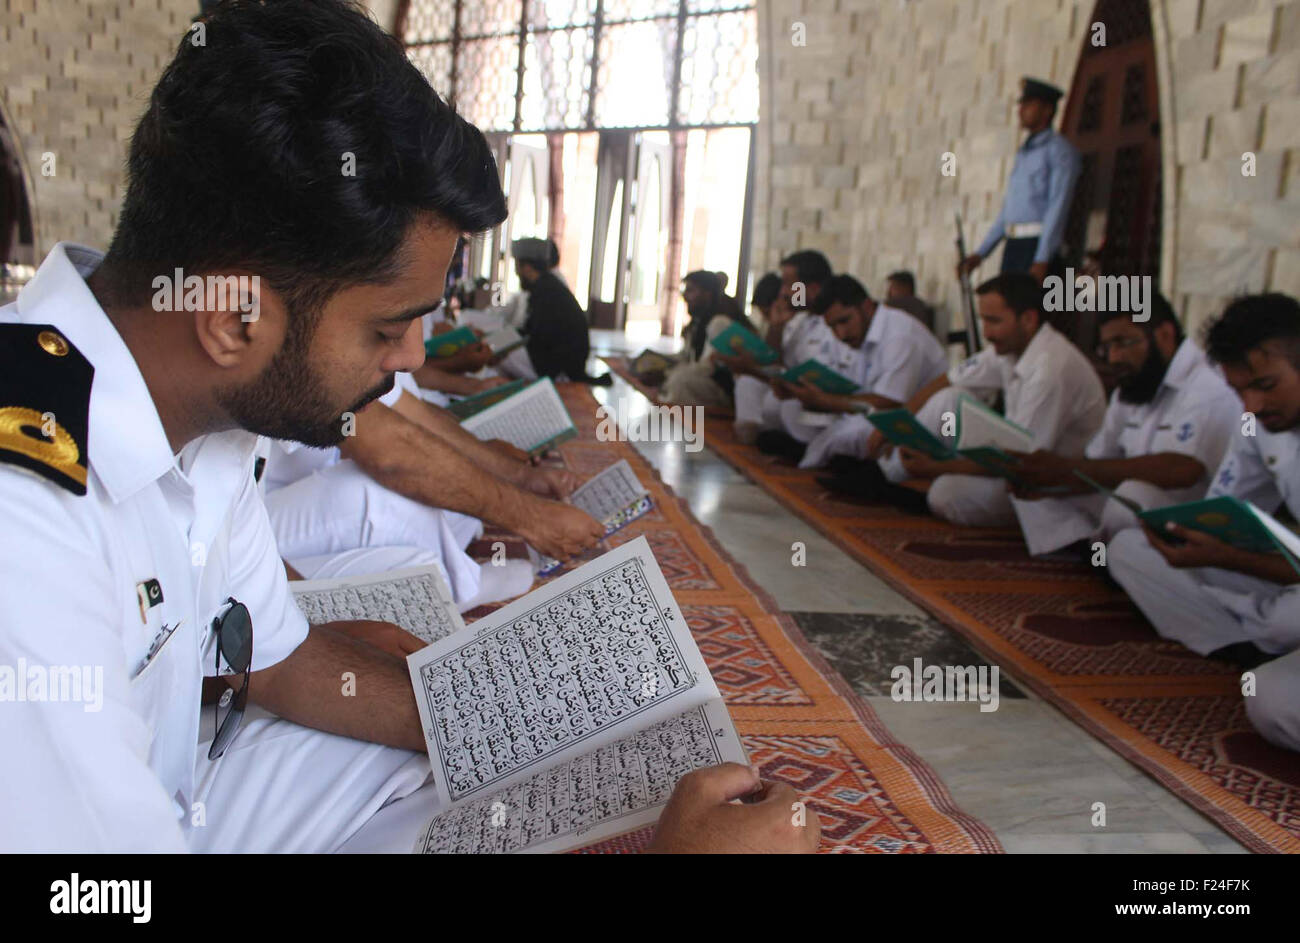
x: 1024, y: 770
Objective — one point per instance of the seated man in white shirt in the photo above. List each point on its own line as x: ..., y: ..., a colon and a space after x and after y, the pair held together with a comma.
x: 1049, y: 388
x: 136, y: 539
x: 894, y: 356
x: 383, y: 487
x: 1166, y: 429
x: 793, y: 331
x: 1216, y: 599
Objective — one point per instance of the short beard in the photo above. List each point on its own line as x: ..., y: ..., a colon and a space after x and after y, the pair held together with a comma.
x: 289, y: 400
x: 1141, y: 386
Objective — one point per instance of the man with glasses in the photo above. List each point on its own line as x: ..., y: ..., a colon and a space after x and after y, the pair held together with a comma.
x: 1218, y: 600
x: 1166, y: 429
x: 136, y: 543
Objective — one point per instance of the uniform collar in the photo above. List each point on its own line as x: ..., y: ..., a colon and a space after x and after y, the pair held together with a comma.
x: 1037, y: 139
x: 126, y: 444
x: 1038, y: 349
x: 1184, y: 361
x: 879, y: 324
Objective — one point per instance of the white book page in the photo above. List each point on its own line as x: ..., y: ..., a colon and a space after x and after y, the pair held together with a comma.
x: 610, y: 492
x: 602, y: 793
x: 614, y: 497
x: 980, y: 427
x: 506, y: 337
x: 574, y: 665
x: 416, y: 598
x: 532, y: 416
x: 1284, y: 536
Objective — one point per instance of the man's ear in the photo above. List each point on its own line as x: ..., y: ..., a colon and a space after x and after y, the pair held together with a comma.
x: 241, y: 321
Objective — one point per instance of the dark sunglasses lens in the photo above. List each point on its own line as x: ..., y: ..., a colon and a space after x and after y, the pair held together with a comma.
x: 236, y: 637
x: 228, y: 721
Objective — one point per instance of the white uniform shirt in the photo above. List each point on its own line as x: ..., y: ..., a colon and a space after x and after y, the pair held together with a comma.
x: 1194, y: 412
x: 288, y: 461
x: 899, y: 355
x: 120, y: 778
x: 1263, y: 469
x: 808, y: 337
x: 1051, y: 389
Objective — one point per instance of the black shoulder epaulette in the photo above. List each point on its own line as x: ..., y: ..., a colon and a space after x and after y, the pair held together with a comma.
x: 44, y: 403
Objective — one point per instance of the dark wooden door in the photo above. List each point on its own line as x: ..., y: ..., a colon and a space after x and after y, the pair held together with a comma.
x: 1113, y: 118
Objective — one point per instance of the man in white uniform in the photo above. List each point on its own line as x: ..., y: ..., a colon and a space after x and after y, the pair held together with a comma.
x: 895, y: 356
x: 137, y: 545
x: 1049, y: 388
x: 1218, y: 600
x: 794, y: 331
x: 1166, y: 429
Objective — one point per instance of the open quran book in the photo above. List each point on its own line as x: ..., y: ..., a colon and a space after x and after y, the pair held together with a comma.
x: 982, y: 436
x: 1231, y: 520
x: 615, y: 497
x: 531, y: 417
x: 822, y: 377
x: 450, y: 342
x: 738, y: 339
x: 418, y: 599
x: 504, y: 340
x: 568, y: 716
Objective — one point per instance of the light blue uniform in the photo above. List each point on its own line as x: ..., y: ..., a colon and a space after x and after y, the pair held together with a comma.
x: 1039, y: 191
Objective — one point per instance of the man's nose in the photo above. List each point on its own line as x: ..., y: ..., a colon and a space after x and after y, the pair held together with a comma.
x: 1252, y: 401
x: 409, y: 354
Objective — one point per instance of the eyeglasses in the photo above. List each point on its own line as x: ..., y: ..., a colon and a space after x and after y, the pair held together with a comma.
x: 234, y: 629
x: 1118, y: 343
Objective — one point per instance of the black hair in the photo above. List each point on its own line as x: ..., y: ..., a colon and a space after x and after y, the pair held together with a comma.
x: 842, y: 289
x: 1251, y: 321
x: 767, y: 290
x: 811, y: 267
x: 1159, y: 312
x: 242, y: 157
x: 903, y: 277
x: 1019, y: 290
x: 706, y: 281
x: 554, y: 258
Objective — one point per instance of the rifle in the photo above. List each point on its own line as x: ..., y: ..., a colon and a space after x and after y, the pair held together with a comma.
x: 971, y: 335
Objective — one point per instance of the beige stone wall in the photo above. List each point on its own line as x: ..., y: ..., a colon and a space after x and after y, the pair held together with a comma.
x: 854, y: 125
x: 74, y: 77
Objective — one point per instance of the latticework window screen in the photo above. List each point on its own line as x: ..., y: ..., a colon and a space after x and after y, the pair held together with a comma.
x: 589, y: 64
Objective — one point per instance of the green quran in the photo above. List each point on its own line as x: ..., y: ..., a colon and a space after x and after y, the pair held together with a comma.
x: 737, y: 339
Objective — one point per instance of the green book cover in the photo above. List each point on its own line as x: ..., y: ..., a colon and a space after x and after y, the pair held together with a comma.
x: 902, y: 428
x: 822, y: 377
x: 464, y: 408
x: 1229, y: 519
x: 451, y: 342
x: 737, y: 339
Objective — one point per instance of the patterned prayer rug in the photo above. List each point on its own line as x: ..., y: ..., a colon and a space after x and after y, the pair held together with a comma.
x: 1065, y: 631
x: 800, y: 722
